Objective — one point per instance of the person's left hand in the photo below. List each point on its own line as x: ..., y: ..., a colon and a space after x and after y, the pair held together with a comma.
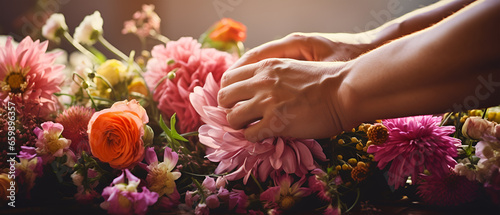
x: 283, y: 97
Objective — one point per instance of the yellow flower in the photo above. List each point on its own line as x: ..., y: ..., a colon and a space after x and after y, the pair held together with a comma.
x: 377, y: 133
x: 137, y: 85
x: 113, y: 71
x: 4, y: 185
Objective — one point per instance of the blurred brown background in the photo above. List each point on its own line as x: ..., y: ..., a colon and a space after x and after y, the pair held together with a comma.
x: 265, y: 19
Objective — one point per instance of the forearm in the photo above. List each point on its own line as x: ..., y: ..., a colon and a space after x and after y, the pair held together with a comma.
x: 427, y: 72
x: 414, y: 21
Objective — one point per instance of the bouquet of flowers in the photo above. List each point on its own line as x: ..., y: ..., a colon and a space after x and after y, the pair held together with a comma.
x: 133, y: 134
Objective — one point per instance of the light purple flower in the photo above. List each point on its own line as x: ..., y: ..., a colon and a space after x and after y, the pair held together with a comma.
x: 122, y: 197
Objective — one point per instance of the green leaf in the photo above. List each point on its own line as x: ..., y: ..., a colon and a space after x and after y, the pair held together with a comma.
x: 164, y: 127
x: 174, y: 133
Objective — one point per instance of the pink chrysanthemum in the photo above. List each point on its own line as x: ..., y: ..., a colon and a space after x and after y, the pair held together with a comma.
x: 415, y: 144
x: 29, y: 73
x: 233, y: 151
x: 75, y: 120
x: 449, y: 190
x: 187, y: 66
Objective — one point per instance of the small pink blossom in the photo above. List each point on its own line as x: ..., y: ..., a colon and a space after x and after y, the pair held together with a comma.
x: 212, y: 201
x: 50, y: 144
x: 122, y: 197
x: 415, y: 144
x: 209, y: 184
x: 144, y: 23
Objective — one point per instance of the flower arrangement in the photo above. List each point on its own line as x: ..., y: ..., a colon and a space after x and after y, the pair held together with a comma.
x: 138, y: 134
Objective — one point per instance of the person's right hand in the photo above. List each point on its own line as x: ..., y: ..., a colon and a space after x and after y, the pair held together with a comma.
x: 310, y: 47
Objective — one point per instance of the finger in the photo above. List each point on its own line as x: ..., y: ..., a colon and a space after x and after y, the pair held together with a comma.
x: 282, y: 48
x: 238, y: 74
x: 245, y: 113
x: 260, y: 130
x: 237, y: 92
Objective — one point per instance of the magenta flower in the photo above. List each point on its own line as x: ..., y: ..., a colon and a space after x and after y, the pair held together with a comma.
x: 27, y: 72
x: 28, y: 168
x: 230, y: 148
x: 186, y: 65
x: 285, y: 194
x: 448, y: 190
x: 122, y: 197
x: 415, y: 144
x: 50, y: 144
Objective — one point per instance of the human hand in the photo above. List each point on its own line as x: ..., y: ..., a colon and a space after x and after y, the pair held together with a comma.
x: 311, y: 47
x: 283, y: 97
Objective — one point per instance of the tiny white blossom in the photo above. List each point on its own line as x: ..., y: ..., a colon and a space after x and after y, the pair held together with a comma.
x: 55, y: 23
x: 89, y: 28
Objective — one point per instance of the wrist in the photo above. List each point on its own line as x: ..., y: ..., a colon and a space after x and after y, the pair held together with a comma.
x: 342, y: 100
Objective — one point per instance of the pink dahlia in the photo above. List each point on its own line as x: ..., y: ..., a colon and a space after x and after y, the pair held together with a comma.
x: 448, y: 190
x: 29, y: 73
x: 75, y: 121
x: 233, y: 151
x: 415, y: 144
x: 186, y: 65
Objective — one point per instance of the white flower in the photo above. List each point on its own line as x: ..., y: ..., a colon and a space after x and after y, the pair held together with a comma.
x: 89, y: 29
x: 53, y: 26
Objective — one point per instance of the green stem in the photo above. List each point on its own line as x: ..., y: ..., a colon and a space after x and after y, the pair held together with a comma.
x: 86, y: 89
x: 161, y: 38
x: 109, y: 85
x: 113, y: 49
x: 79, y: 47
x: 257, y: 182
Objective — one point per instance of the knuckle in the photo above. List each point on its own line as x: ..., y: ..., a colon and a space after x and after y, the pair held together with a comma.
x: 221, y: 97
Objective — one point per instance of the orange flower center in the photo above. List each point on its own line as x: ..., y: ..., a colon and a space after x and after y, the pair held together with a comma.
x: 15, y: 82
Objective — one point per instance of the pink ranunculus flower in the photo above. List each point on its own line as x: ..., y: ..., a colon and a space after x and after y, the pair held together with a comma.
x: 233, y: 151
x: 416, y: 143
x: 186, y: 65
x: 28, y: 73
x: 50, y: 144
x: 123, y: 197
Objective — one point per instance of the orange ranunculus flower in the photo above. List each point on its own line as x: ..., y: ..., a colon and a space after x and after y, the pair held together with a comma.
x: 115, y: 134
x: 227, y: 30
